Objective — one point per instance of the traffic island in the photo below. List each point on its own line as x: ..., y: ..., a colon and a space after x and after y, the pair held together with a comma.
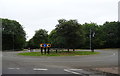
x: 60, y: 53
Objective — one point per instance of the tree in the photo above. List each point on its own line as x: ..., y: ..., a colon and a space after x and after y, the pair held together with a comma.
x: 110, y: 30
x: 70, y: 32
x: 41, y: 36
x: 30, y: 43
x: 13, y: 35
x: 96, y: 35
x: 56, y: 40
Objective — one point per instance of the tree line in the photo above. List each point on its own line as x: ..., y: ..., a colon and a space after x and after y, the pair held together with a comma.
x: 13, y: 35
x: 68, y: 34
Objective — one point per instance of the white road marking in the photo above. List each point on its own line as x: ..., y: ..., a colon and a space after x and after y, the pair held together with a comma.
x: 39, y: 69
x: 114, y: 54
x: 11, y: 68
x: 76, y: 69
x: 71, y: 71
x: 14, y: 68
x: 17, y: 68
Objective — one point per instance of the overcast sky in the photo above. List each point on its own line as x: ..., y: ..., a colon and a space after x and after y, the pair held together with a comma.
x: 43, y: 14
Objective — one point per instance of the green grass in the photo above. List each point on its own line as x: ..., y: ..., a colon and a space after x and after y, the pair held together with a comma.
x: 24, y: 49
x: 62, y: 53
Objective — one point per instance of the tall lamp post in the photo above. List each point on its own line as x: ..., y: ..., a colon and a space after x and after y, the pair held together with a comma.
x: 13, y: 40
x: 91, y: 40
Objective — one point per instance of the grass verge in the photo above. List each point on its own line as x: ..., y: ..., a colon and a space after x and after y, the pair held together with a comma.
x: 62, y: 53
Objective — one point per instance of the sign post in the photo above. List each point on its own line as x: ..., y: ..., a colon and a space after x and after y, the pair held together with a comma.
x: 48, y: 46
x: 45, y: 46
x: 41, y: 45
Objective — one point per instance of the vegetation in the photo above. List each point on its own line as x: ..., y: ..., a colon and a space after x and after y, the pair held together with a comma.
x: 71, y: 34
x: 63, y: 53
x: 40, y: 36
x: 13, y: 35
x: 68, y: 34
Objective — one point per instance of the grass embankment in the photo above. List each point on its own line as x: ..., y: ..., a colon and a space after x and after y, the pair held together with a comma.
x: 62, y: 53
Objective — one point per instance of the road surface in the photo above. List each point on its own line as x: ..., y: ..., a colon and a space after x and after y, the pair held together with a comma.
x: 76, y: 65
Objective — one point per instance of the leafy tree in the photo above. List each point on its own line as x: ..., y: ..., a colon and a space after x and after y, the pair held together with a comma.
x: 96, y: 35
x: 30, y: 44
x: 13, y: 35
x: 87, y: 27
x: 56, y: 40
x: 110, y: 30
x: 41, y: 36
x: 70, y: 32
x: 99, y: 41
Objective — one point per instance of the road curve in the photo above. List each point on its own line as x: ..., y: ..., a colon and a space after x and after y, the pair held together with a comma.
x: 14, y: 64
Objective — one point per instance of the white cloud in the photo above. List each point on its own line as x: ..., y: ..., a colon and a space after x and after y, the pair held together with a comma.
x: 35, y: 14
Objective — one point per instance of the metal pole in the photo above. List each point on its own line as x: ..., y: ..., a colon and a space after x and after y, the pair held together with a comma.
x: 90, y: 39
x: 48, y: 50
x: 13, y: 41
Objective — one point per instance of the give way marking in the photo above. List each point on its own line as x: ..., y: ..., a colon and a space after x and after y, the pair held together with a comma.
x: 73, y: 71
x: 39, y: 69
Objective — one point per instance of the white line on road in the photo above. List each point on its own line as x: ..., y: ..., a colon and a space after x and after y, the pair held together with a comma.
x: 14, y: 68
x: 76, y: 69
x: 71, y: 71
x: 39, y: 69
x: 114, y: 54
x: 17, y: 68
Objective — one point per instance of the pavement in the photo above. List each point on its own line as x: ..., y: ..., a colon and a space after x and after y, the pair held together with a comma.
x: 65, y: 65
x: 113, y: 70
x: 0, y: 62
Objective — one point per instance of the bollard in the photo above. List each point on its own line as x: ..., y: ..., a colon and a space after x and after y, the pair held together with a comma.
x: 48, y: 50
x: 41, y: 50
x: 45, y: 50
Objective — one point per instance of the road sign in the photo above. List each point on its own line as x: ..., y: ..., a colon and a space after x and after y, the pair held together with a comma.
x: 48, y: 45
x: 45, y: 45
x: 41, y: 45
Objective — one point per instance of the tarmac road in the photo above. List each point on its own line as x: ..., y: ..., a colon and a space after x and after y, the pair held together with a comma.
x: 78, y: 65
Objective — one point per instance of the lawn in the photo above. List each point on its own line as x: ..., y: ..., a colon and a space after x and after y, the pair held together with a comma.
x: 61, y: 53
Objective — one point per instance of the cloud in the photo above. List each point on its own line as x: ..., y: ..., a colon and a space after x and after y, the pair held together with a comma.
x: 35, y: 14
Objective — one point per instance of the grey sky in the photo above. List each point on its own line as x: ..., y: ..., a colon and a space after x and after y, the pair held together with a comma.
x: 43, y: 14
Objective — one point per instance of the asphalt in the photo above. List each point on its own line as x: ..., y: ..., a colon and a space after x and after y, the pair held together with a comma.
x: 65, y: 65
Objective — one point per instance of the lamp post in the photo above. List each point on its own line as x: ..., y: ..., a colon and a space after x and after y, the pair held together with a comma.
x: 13, y: 40
x: 91, y: 40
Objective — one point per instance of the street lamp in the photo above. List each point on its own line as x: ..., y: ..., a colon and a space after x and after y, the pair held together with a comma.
x: 91, y: 36
x: 90, y: 39
x: 13, y: 40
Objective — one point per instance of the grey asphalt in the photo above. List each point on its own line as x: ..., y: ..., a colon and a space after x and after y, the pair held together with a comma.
x: 0, y: 62
x: 14, y: 64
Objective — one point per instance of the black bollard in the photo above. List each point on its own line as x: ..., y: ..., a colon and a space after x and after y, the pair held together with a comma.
x: 56, y: 50
x: 92, y: 49
x: 48, y: 50
x: 45, y: 50
x: 41, y: 50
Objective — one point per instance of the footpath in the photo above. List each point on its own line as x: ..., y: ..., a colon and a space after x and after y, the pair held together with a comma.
x: 111, y: 70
